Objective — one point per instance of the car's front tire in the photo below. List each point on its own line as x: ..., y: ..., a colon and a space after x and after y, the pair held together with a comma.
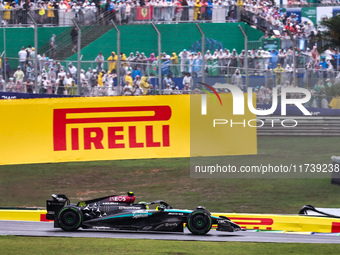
x: 199, y: 222
x: 70, y: 218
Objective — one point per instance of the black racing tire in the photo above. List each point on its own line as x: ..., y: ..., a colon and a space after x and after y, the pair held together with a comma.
x: 199, y: 222
x: 70, y: 218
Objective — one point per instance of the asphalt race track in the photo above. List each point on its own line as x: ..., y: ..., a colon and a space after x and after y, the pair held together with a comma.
x: 29, y: 228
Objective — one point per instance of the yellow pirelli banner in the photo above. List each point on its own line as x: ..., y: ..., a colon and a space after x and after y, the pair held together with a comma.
x: 296, y: 223
x: 102, y: 128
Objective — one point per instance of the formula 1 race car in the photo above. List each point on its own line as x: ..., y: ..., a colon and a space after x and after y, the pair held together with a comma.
x: 118, y: 212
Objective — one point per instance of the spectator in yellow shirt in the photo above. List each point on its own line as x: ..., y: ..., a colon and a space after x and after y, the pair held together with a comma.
x: 7, y: 14
x: 128, y: 77
x: 144, y: 84
x: 122, y: 59
x: 112, y: 61
x: 197, y: 10
x: 278, y: 73
x: 174, y: 65
x: 100, y: 79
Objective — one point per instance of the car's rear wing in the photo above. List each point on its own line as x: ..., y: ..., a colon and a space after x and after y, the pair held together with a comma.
x: 54, y: 205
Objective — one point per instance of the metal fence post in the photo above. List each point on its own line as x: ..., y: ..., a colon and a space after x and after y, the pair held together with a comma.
x: 246, y: 58
x: 78, y: 57
x: 238, y: 10
x: 203, y: 51
x: 159, y: 58
x: 36, y: 52
x: 118, y: 53
x: 4, y: 61
x: 294, y: 57
x: 150, y: 8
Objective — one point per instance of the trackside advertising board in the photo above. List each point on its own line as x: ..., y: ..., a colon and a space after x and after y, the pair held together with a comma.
x: 106, y: 128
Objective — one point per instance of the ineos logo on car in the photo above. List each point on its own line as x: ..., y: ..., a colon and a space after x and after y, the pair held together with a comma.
x: 119, y: 199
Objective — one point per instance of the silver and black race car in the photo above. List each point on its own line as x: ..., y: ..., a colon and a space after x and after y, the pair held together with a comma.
x: 119, y: 212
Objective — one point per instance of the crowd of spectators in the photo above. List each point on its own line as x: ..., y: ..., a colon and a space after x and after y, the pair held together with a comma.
x: 306, y: 3
x: 271, y: 18
x: 316, y: 72
x: 319, y: 93
x: 264, y: 13
x: 47, y: 12
x: 55, y: 78
x: 121, y: 11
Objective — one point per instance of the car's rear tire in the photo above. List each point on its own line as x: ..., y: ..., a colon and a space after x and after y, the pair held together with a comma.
x: 199, y: 222
x: 70, y: 218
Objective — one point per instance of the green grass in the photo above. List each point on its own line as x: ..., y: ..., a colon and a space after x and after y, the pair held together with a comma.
x: 169, y: 179
x: 58, y: 245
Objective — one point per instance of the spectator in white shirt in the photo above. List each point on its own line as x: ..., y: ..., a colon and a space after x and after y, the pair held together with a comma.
x: 22, y: 58
x: 72, y: 70
x: 187, y: 80
x: 68, y: 80
x: 100, y: 62
x: 127, y: 89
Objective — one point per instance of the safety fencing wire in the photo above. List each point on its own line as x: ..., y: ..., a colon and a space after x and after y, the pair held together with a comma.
x: 170, y: 62
x: 96, y: 81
